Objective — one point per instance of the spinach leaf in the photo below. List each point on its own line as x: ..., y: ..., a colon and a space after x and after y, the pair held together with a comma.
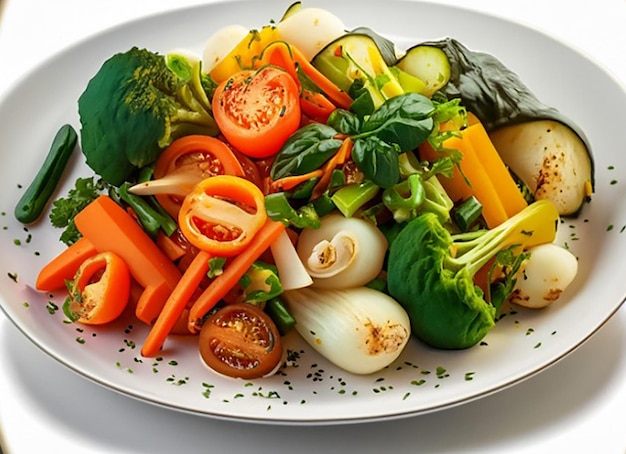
x: 405, y: 120
x: 305, y: 151
x: 378, y: 160
x: 344, y: 122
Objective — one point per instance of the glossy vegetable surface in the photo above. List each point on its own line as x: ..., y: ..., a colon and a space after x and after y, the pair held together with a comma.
x: 222, y: 214
x: 183, y: 164
x: 34, y: 200
x: 241, y: 341
x: 257, y: 110
x: 100, y: 290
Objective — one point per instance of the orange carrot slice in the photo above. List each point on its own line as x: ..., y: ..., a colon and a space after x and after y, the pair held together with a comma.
x: 63, y: 267
x: 233, y: 271
x: 109, y: 228
x: 175, y: 304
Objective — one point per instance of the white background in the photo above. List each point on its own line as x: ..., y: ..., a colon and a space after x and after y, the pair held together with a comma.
x: 577, y: 405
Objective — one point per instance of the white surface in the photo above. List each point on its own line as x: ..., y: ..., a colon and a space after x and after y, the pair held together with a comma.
x: 576, y: 406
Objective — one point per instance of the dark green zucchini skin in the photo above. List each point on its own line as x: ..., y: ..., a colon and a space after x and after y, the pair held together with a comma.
x: 496, y: 94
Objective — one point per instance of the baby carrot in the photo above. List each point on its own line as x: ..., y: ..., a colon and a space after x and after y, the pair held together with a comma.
x: 233, y: 271
x: 63, y: 267
x: 109, y: 228
x: 176, y: 303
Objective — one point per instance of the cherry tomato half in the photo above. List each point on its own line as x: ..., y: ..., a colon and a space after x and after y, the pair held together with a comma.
x: 222, y: 214
x: 192, y: 159
x: 242, y: 341
x: 100, y: 290
x: 257, y: 110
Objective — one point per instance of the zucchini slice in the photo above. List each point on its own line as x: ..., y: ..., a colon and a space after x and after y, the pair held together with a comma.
x: 531, y: 137
x: 429, y: 64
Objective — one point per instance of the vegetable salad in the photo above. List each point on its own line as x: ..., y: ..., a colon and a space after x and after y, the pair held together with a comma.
x: 303, y: 176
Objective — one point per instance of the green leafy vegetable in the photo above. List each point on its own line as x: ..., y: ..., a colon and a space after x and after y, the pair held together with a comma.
x: 306, y: 150
x: 260, y: 283
x: 135, y: 106
x: 431, y: 272
x: 66, y: 208
x: 399, y: 125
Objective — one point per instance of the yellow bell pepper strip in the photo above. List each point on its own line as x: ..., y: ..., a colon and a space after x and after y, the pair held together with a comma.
x: 245, y: 54
x: 100, y: 290
x: 222, y: 215
x: 481, y: 173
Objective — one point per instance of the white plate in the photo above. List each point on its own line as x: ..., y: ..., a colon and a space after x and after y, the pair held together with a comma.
x: 313, y: 391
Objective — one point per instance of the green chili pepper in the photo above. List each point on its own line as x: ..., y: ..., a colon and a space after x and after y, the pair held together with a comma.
x: 34, y: 200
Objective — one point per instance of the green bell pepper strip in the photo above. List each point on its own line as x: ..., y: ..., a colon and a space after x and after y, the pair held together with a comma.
x: 279, y: 209
x: 404, y: 199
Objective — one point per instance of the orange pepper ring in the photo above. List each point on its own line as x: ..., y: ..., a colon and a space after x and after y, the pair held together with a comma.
x: 229, y: 187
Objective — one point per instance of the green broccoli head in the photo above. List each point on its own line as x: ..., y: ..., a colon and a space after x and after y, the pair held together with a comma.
x: 445, y: 307
x: 135, y: 106
x: 431, y: 272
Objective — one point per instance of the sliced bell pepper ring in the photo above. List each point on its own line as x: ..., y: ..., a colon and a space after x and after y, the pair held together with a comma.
x: 100, y: 290
x: 222, y: 214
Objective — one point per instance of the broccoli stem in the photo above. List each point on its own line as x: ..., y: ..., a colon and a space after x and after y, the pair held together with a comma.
x: 535, y: 224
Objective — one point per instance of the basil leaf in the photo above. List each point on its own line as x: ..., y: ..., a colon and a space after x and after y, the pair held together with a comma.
x: 404, y: 120
x: 378, y: 160
x: 305, y: 151
x: 344, y: 122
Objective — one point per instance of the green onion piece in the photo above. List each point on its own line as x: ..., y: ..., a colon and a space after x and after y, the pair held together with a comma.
x: 151, y: 220
x: 323, y: 205
x: 467, y: 213
x: 280, y: 315
x: 352, y: 197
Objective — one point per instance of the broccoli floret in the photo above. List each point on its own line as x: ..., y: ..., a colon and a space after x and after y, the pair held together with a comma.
x: 135, y: 106
x: 431, y: 272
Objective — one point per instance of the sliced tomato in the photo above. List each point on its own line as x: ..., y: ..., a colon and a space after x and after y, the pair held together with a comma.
x: 222, y: 214
x: 242, y: 341
x: 257, y: 110
x: 100, y: 290
x: 191, y: 159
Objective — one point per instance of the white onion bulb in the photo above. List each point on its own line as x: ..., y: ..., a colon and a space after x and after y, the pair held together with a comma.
x: 310, y: 30
x: 343, y: 252
x: 361, y: 330
x: 545, y: 276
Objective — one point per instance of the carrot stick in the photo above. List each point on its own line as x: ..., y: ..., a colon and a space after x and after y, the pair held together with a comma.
x: 512, y: 199
x: 63, y: 267
x: 169, y: 247
x: 339, y: 97
x: 288, y: 57
x: 109, y: 228
x: 339, y: 158
x: 222, y: 284
x: 175, y: 304
x: 287, y: 183
x: 316, y: 106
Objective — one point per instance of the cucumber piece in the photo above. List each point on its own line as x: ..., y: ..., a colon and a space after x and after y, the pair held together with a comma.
x: 428, y: 63
x: 33, y: 201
